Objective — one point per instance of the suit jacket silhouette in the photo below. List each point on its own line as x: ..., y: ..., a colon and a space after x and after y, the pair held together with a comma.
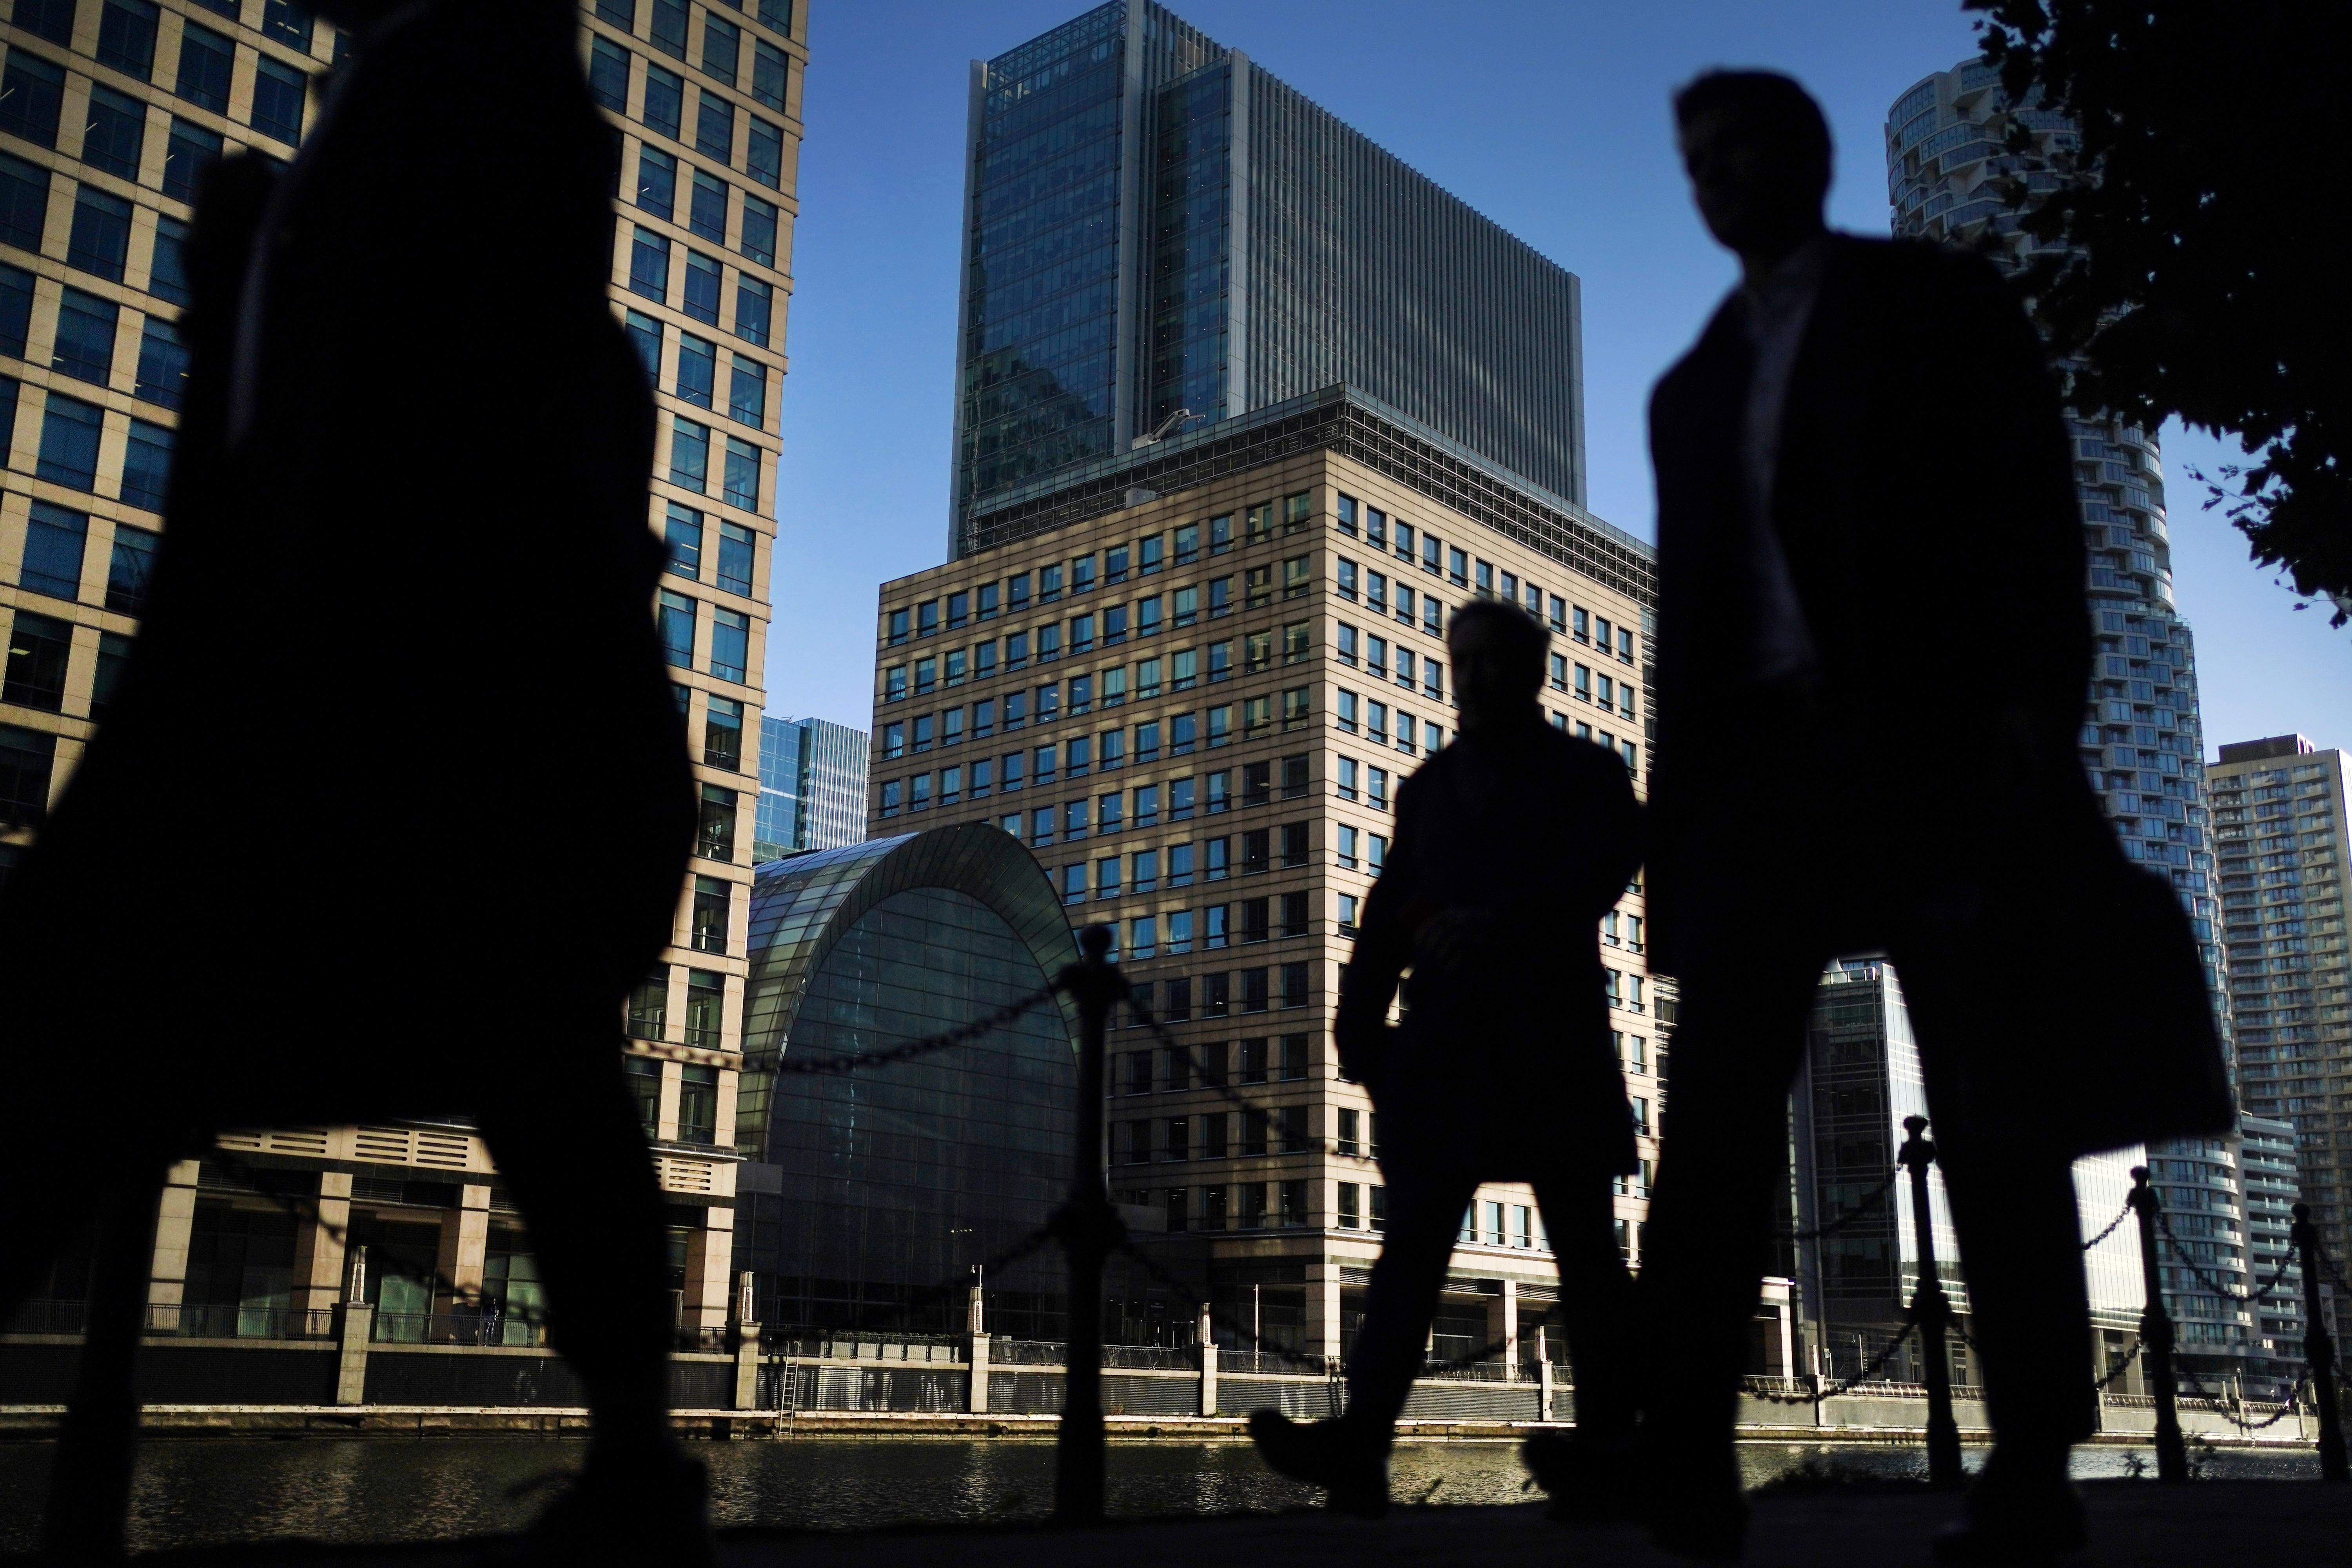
x: 397, y: 778
x: 1509, y: 847
x: 1925, y: 503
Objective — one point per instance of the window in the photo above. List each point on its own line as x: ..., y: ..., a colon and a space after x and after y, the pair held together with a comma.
x: 698, y: 1104
x: 735, y: 557
x: 126, y: 37
x: 759, y: 236
x: 746, y: 396
x: 147, y: 465
x: 754, y: 309
x: 1486, y: 579
x: 710, y: 915
x: 649, y: 264
x: 100, y: 240
x: 39, y: 648
x: 722, y: 48
x: 32, y: 95
x: 740, y: 487
x: 689, y: 454
x: 70, y: 432
x: 608, y: 74
x: 278, y: 94
x: 115, y: 133
x: 702, y: 277
x: 185, y: 154
x: 645, y: 337
x: 665, y: 104
x: 676, y: 615
x: 1458, y: 567
x: 670, y: 18
x: 657, y: 182
x: 85, y: 336
x: 722, y: 733
x: 24, y: 202
x: 714, y: 127
x: 206, y: 62
x: 768, y: 74
x: 131, y: 568
x: 26, y: 759
x: 698, y: 369
x: 715, y: 837
x: 764, y: 159
x: 1297, y: 711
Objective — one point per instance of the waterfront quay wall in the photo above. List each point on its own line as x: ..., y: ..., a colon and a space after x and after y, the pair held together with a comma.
x: 819, y: 1387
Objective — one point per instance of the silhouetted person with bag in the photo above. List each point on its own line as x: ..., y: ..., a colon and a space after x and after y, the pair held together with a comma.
x: 395, y: 805
x: 1874, y: 660
x: 1510, y: 844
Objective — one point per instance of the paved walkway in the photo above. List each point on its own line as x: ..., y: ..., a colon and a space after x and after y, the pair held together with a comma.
x: 2134, y: 1525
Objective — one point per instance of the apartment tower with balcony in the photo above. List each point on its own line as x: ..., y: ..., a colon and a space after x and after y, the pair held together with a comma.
x: 108, y: 111
x: 1947, y: 158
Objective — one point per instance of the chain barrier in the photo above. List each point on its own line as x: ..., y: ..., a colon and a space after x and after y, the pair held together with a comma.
x: 2113, y: 1226
x: 1868, y: 1203
x: 2220, y: 1287
x: 1869, y: 1372
x: 961, y: 1035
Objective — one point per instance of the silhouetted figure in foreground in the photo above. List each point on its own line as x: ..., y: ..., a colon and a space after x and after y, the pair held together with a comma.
x: 1874, y: 654
x: 395, y: 805
x: 1510, y: 844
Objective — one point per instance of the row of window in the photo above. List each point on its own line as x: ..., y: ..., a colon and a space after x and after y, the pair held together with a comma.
x: 686, y: 532
x: 731, y: 635
x: 1180, y: 670
x: 98, y: 242
x: 1214, y: 1064
x: 1082, y: 755
x: 689, y: 464
x: 1213, y: 1135
x: 706, y: 200
x: 696, y: 379
x: 661, y: 106
x: 56, y: 544
x: 1355, y: 714
x: 698, y: 1097
x: 40, y: 653
x: 1107, y: 687
x: 1142, y: 558
x: 1147, y: 617
x: 1260, y: 1205
x: 706, y: 1002
x: 33, y: 87
x: 1462, y: 570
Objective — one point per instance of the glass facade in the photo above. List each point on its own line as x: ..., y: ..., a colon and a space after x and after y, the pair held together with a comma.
x: 874, y: 1193
x: 1947, y: 154
x: 1154, y: 226
x: 812, y: 787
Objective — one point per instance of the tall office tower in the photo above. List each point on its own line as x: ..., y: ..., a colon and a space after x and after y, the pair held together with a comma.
x: 108, y: 110
x: 2279, y: 831
x: 1946, y: 154
x: 812, y: 787
x: 1861, y: 1078
x: 1158, y: 236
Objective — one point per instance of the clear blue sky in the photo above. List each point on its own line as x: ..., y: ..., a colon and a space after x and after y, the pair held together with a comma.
x: 1549, y: 117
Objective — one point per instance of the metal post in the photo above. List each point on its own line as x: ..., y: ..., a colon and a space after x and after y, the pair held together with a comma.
x: 1089, y: 1228
x: 1933, y: 1311
x: 2319, y: 1350
x: 2156, y: 1335
x: 89, y: 1482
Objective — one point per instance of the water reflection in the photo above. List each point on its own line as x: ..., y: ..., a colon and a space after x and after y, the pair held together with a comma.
x: 193, y: 1493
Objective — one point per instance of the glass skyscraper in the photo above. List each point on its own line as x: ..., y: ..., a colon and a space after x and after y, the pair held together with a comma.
x: 1946, y: 158
x: 812, y: 787
x: 1157, y: 236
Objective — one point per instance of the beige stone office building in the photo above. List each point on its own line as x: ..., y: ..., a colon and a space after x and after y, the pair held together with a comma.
x: 1193, y: 688
x: 107, y: 108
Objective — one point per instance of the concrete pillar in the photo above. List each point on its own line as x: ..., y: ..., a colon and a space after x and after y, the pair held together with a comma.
x: 319, y: 1243
x: 1503, y: 1322
x: 709, y: 1263
x: 465, y: 1248
x: 978, y: 1401
x: 747, y: 1346
x: 1322, y: 1309
x: 1543, y: 1377
x: 354, y: 1326
x: 1208, y: 1364
x: 167, y: 1274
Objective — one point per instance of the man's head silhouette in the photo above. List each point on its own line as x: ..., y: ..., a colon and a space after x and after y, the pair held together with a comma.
x: 1758, y: 152
x: 1498, y: 663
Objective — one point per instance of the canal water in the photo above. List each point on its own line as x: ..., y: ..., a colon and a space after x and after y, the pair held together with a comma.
x: 194, y: 1492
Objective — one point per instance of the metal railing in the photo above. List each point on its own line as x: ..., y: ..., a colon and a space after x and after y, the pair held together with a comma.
x: 478, y: 1328
x: 228, y: 1321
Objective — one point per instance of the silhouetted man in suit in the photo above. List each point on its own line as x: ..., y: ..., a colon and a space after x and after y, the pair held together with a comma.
x: 1874, y: 656
x: 395, y: 805
x: 1511, y: 843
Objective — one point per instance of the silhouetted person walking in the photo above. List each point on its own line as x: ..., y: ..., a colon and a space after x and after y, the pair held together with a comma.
x: 395, y: 805
x: 1510, y: 844
x: 1874, y: 656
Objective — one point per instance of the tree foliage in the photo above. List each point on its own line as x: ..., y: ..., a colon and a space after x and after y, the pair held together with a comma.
x: 2198, y: 279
